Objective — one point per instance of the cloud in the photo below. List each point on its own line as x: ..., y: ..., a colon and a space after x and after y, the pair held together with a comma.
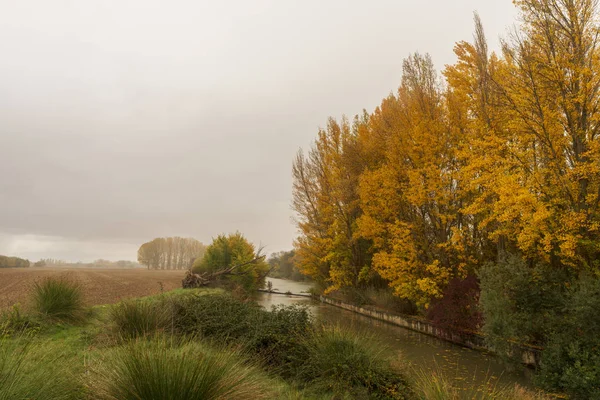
x: 123, y: 121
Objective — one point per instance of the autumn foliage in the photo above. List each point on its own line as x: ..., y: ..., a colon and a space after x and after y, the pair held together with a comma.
x: 497, y: 154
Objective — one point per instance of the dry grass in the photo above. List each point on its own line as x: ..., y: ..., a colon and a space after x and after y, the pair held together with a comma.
x: 100, y: 286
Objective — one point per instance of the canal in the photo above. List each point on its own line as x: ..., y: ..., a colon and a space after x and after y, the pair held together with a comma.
x: 467, y: 367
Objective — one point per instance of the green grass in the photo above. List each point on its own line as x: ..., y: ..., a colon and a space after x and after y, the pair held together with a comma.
x: 162, y: 368
x: 179, y: 345
x: 35, y: 371
x: 354, y: 364
x: 59, y: 299
x: 134, y: 318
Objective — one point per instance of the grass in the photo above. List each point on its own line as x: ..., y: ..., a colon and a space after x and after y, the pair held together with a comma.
x: 162, y: 368
x: 179, y: 345
x: 135, y: 318
x: 436, y: 386
x: 59, y: 299
x: 29, y: 371
x: 352, y: 364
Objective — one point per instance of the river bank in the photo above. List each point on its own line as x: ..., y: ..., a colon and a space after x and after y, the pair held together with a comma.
x: 466, y: 366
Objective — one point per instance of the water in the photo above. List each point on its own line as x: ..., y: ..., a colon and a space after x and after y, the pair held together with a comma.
x: 466, y: 367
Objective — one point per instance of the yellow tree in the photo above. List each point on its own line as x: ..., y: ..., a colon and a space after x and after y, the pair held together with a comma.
x: 539, y: 154
x: 410, y: 201
x: 326, y: 201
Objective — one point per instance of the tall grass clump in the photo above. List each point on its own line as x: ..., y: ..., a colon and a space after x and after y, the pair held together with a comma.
x: 59, y: 299
x: 434, y: 385
x: 132, y: 319
x: 352, y: 364
x: 160, y: 368
x: 29, y: 371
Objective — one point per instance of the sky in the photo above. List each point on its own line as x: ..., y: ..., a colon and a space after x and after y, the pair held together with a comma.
x: 122, y: 121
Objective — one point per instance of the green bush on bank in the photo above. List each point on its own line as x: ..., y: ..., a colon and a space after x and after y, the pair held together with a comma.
x: 550, y: 307
x: 287, y: 343
x: 275, y: 336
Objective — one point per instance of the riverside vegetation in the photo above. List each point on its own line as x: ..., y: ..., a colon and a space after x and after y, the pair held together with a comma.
x: 473, y: 196
x: 197, y: 344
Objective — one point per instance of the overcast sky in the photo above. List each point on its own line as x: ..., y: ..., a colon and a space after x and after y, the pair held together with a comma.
x: 121, y: 121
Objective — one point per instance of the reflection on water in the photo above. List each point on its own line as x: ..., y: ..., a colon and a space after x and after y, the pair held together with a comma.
x: 467, y: 367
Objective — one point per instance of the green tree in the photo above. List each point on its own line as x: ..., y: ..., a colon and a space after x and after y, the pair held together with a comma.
x: 227, y: 251
x: 283, y: 265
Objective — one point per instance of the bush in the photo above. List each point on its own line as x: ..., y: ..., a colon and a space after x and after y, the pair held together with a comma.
x: 571, y: 357
x: 133, y: 318
x: 163, y: 369
x: 546, y: 306
x: 459, y: 306
x: 29, y: 371
x: 276, y: 336
x: 58, y: 298
x: 213, y: 316
x: 353, y: 364
x: 520, y: 303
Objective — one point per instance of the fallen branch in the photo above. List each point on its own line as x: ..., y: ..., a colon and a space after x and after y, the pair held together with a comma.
x: 194, y: 280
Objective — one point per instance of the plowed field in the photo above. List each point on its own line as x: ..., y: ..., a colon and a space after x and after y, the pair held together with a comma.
x: 100, y: 286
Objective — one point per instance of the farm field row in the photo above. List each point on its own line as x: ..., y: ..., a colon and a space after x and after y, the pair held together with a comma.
x: 100, y: 286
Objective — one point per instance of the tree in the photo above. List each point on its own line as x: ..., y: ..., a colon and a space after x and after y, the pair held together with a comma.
x: 411, y: 201
x: 232, y: 250
x: 325, y: 198
x: 170, y: 253
x: 283, y: 265
x: 13, y: 262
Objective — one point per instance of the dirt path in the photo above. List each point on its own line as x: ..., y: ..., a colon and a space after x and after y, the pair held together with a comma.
x: 100, y: 286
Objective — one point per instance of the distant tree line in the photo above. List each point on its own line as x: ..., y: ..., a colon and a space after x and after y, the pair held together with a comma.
x: 170, y: 253
x: 99, y: 263
x: 283, y: 265
x: 13, y: 262
x: 46, y: 262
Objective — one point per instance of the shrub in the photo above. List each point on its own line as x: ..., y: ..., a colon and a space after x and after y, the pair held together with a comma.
x: 571, y: 357
x: 458, y: 308
x: 162, y: 369
x: 58, y: 298
x: 275, y: 336
x: 278, y: 337
x: 351, y: 363
x: 28, y: 371
x: 214, y: 316
x: 133, y: 318
x: 520, y: 303
x: 548, y: 307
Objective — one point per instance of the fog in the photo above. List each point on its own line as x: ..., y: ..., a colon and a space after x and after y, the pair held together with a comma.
x: 121, y: 121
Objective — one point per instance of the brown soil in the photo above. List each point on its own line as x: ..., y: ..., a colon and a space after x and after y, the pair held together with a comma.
x: 100, y: 286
